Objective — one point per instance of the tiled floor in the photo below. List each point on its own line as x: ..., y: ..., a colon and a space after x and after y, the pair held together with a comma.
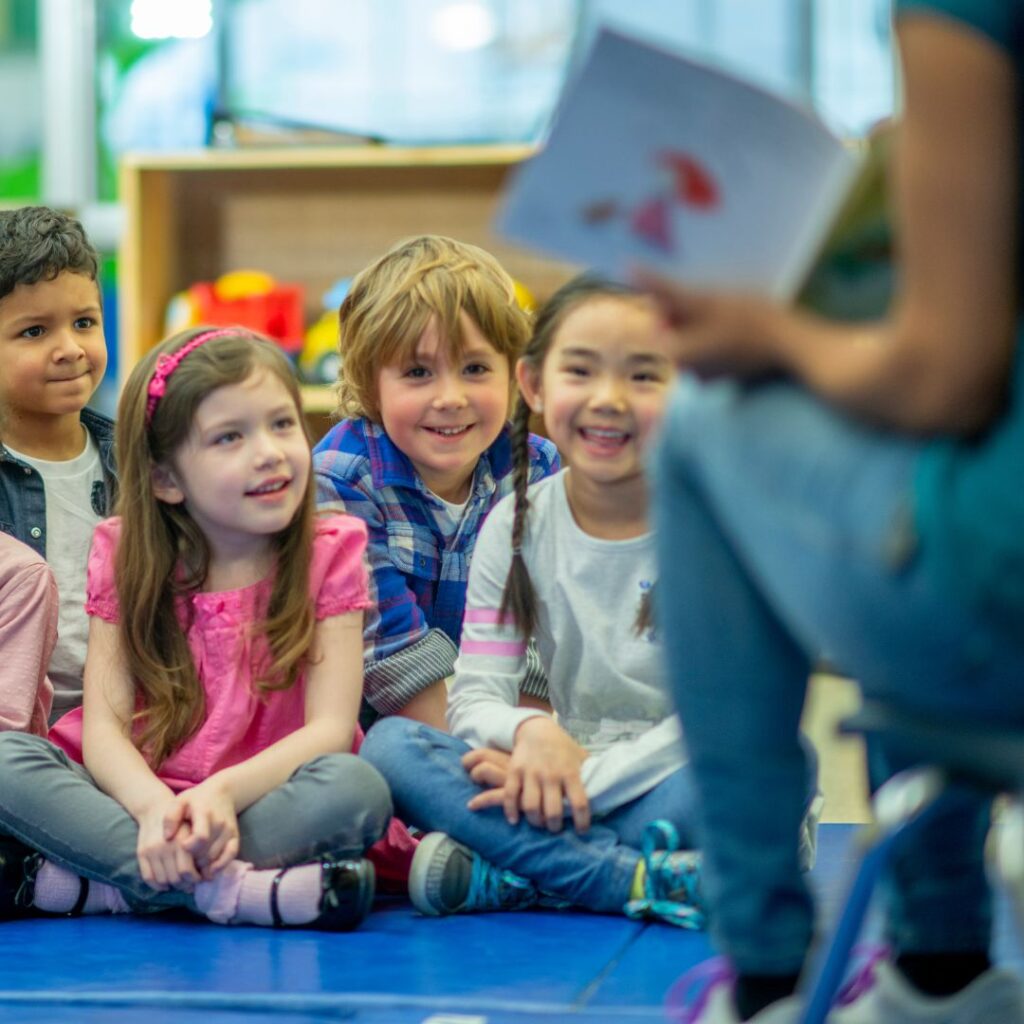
x: 841, y: 766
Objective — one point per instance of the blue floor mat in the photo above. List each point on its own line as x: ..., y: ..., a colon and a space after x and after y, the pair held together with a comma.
x: 487, y: 969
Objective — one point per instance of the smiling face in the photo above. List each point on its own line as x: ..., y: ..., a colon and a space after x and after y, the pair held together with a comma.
x: 444, y: 411
x: 243, y: 470
x: 52, y: 350
x: 602, y: 387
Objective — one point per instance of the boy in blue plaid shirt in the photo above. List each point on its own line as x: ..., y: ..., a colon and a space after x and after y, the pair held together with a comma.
x: 430, y: 334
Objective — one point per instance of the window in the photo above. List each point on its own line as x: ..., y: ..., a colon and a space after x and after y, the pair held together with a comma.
x: 21, y: 89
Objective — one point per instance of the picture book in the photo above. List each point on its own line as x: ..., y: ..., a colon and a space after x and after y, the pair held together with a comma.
x: 656, y: 160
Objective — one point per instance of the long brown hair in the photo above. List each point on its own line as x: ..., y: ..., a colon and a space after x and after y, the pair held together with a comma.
x: 162, y: 553
x: 519, y: 600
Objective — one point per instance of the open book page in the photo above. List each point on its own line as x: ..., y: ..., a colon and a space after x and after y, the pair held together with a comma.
x: 656, y: 160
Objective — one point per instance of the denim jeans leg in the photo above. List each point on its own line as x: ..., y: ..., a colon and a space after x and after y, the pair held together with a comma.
x: 739, y: 682
x: 938, y: 899
x: 674, y: 799
x: 431, y: 790
x: 52, y: 804
x: 769, y: 500
x: 335, y: 804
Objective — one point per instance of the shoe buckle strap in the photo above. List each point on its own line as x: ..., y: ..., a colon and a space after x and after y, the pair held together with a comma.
x: 24, y: 898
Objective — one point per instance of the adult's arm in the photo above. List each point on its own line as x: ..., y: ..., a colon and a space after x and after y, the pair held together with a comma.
x: 940, y: 363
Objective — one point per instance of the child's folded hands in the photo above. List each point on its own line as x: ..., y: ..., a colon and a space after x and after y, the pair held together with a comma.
x: 164, y: 863
x: 209, y: 831
x: 541, y: 776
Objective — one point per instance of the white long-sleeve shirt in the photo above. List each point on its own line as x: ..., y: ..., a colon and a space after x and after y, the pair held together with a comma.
x: 606, y: 683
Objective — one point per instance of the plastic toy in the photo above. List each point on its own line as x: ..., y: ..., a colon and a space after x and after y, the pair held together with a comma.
x: 249, y: 298
x: 319, y: 360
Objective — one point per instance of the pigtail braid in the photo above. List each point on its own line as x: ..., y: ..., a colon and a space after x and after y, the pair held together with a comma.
x: 518, y: 600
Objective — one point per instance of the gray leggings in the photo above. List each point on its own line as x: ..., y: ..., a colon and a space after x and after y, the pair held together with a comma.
x: 336, y: 804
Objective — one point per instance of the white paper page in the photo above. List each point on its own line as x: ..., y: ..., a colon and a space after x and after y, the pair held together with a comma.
x: 658, y: 161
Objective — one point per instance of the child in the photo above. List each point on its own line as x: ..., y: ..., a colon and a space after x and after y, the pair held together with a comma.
x: 28, y: 632
x: 429, y: 336
x: 569, y: 561
x: 223, y: 676
x: 56, y: 456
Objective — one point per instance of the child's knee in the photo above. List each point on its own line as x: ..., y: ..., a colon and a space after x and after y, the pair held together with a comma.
x: 347, y: 789
x: 20, y: 750
x: 390, y: 739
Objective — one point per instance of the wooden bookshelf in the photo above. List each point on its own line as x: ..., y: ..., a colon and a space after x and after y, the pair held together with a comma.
x: 307, y: 215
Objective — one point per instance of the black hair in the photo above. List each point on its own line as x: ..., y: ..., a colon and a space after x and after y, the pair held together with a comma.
x: 37, y: 243
x: 518, y: 600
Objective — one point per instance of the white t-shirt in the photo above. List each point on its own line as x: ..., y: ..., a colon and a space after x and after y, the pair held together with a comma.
x: 70, y: 520
x: 448, y: 515
x: 606, y: 683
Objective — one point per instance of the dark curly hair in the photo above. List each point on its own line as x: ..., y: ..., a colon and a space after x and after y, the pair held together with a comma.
x: 37, y: 243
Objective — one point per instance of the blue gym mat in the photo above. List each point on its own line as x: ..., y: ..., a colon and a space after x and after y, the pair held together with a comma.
x: 399, y: 967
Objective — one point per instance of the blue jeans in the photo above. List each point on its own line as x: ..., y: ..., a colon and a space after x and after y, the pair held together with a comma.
x: 785, y: 533
x: 423, y: 767
x: 335, y: 804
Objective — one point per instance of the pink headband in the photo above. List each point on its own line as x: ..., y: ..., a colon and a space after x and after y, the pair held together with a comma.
x: 168, y: 363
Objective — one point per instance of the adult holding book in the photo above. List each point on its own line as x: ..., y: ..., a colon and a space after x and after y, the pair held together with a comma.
x: 855, y: 489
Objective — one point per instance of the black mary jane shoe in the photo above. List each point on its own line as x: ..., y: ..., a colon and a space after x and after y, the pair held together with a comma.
x: 346, y: 895
x: 18, y: 866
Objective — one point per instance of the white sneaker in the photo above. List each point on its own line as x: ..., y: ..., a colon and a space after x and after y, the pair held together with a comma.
x: 993, y: 998
x: 704, y: 996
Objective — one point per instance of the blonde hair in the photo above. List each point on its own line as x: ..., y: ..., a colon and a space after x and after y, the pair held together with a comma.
x: 162, y: 553
x: 393, y: 300
x: 518, y: 599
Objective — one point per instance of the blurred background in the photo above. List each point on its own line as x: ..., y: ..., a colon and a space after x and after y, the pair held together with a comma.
x: 84, y: 82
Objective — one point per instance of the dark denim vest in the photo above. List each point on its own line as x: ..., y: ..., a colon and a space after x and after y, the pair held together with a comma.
x: 23, y: 499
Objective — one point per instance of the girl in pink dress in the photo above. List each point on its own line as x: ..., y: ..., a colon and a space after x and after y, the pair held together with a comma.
x: 211, y: 766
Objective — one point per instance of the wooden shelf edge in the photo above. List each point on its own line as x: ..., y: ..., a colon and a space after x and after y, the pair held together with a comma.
x: 318, y: 399
x: 269, y: 158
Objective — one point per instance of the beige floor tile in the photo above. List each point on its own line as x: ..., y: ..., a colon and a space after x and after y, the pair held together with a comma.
x: 842, y: 772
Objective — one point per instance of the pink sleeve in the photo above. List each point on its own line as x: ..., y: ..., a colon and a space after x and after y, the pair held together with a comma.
x: 28, y: 632
x: 100, y: 592
x: 337, y: 576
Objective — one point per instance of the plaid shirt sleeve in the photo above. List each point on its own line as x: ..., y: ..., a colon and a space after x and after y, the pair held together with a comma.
x: 544, y: 458
x: 402, y: 655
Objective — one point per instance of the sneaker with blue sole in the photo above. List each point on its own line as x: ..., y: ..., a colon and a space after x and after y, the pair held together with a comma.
x: 672, y: 880
x: 449, y: 878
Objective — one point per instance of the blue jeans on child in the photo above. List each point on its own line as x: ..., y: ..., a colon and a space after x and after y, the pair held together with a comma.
x: 785, y: 533
x: 423, y: 767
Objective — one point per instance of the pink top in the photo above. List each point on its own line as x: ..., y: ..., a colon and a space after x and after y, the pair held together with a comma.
x: 239, y: 721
